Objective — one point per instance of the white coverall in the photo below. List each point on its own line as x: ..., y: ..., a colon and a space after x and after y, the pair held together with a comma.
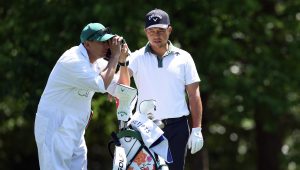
x: 64, y: 110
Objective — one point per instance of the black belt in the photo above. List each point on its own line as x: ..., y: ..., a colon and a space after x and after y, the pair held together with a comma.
x: 173, y: 120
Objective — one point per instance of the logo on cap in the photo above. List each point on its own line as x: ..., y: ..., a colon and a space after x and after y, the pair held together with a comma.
x: 155, y: 17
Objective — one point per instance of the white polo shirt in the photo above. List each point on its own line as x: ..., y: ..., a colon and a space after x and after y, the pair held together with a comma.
x: 164, y: 80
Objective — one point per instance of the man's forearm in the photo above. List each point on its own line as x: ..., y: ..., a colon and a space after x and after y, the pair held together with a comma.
x: 196, y: 110
x: 108, y: 75
x: 124, y: 76
x: 195, y: 103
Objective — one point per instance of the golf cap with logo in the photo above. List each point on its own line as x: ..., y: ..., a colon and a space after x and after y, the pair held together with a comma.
x: 95, y: 32
x: 157, y: 18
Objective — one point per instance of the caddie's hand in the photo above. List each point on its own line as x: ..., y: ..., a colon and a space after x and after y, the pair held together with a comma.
x: 115, y: 46
x: 195, y: 142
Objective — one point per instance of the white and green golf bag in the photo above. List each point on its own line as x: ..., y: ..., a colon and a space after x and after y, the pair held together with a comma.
x: 139, y: 143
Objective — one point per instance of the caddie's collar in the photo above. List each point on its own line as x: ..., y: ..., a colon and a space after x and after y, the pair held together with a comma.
x: 83, y: 50
x: 171, y: 48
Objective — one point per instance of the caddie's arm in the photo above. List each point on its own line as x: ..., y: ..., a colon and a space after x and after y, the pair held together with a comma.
x: 115, y: 47
x: 195, y: 103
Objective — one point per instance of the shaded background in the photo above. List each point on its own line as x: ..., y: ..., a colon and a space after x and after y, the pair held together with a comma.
x: 247, y: 54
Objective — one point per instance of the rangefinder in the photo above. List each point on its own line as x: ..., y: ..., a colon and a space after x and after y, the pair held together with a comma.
x: 108, y: 54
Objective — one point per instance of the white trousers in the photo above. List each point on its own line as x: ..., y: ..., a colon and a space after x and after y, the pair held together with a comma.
x: 60, y: 142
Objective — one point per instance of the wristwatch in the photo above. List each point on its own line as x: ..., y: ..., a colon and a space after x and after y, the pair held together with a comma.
x: 125, y: 64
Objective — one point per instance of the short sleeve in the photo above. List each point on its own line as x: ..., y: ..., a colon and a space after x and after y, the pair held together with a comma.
x: 80, y: 74
x: 191, y: 74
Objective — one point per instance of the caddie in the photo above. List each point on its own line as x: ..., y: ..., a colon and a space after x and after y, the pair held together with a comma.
x: 64, y: 109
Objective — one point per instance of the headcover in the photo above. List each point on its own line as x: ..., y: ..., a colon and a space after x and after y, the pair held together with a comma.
x: 126, y: 97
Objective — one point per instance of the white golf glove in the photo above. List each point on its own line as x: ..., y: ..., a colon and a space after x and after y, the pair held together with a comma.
x: 195, y: 142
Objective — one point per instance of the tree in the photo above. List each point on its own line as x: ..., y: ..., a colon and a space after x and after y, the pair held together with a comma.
x: 246, y: 52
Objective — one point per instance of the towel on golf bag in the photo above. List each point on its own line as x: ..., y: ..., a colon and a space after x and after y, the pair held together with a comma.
x: 152, y: 135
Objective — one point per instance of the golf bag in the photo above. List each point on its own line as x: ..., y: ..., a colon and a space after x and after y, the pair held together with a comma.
x: 138, y: 136
x: 137, y: 154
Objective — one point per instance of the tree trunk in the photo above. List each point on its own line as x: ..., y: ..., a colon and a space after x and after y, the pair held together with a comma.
x: 268, y: 142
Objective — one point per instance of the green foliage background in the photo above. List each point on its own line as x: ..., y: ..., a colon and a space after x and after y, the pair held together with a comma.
x: 247, y: 54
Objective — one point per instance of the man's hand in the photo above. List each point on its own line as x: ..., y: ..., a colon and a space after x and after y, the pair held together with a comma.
x: 195, y: 142
x: 115, y: 46
x: 124, y: 53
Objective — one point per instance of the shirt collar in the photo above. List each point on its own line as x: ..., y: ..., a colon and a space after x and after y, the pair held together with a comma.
x: 171, y: 48
x: 83, y: 50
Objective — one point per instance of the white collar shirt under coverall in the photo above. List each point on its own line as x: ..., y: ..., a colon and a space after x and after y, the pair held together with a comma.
x: 164, y: 80
x: 64, y: 110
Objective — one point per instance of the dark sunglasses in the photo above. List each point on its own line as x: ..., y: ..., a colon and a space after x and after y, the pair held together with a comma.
x: 100, y: 33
